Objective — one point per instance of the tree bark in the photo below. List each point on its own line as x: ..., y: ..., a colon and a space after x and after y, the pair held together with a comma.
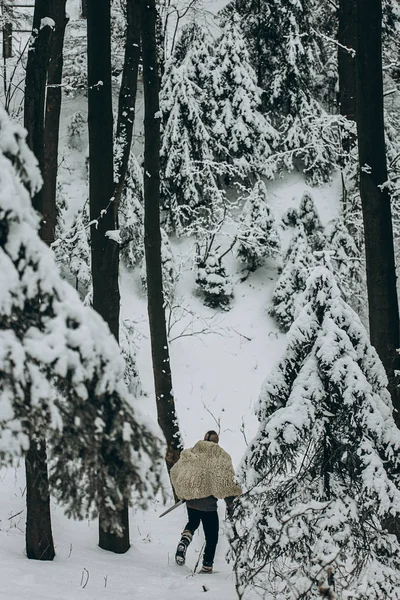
x: 52, y: 123
x: 104, y: 251
x: 167, y: 418
x: 346, y: 60
x: 39, y: 537
x: 379, y: 251
x: 127, y: 96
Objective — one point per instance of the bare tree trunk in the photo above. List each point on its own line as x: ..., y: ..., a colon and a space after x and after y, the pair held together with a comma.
x: 127, y: 96
x: 39, y: 537
x: 104, y: 251
x: 346, y: 59
x: 52, y: 122
x: 152, y: 236
x: 380, y: 262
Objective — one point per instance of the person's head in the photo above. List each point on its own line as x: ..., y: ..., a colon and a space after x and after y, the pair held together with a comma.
x: 211, y: 436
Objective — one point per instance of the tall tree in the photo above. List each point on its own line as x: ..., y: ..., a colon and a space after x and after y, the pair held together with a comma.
x: 127, y: 96
x: 62, y: 375
x: 375, y: 197
x: 52, y: 119
x: 322, y: 470
x: 346, y: 58
x: 152, y: 236
x: 39, y: 537
x: 103, y: 211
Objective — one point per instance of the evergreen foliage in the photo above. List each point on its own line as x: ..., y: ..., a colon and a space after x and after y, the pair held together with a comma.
x: 242, y: 136
x: 72, y: 251
x: 258, y: 236
x: 62, y: 372
x: 189, y: 189
x: 308, y: 216
x: 322, y: 471
x: 299, y: 260
x: 131, y: 216
x: 346, y: 263
x: 212, y: 279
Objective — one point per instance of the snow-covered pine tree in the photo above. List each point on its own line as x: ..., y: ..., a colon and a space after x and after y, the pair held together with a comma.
x: 308, y: 216
x: 347, y: 264
x: 189, y: 189
x: 131, y: 215
x: 286, y: 55
x: 62, y: 372
x: 298, y: 262
x: 72, y: 252
x: 258, y: 235
x: 241, y: 135
x: 323, y: 470
x: 212, y: 278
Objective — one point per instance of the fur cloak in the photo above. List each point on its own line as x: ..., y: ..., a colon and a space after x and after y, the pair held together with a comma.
x: 202, y: 471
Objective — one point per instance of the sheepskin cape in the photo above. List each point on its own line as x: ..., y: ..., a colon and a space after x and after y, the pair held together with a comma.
x: 202, y: 471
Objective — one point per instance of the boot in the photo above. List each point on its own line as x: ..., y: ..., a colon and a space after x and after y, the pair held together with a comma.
x: 180, y: 554
x: 206, y: 569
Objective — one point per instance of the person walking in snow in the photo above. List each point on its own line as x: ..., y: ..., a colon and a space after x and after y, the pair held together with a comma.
x: 203, y: 474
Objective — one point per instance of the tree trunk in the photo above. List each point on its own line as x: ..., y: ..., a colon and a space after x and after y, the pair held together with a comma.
x: 379, y: 251
x: 52, y: 123
x: 346, y: 60
x: 104, y: 251
x: 127, y: 96
x: 39, y: 537
x: 152, y: 237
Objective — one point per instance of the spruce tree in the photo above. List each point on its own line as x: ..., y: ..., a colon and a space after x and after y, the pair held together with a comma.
x: 286, y: 55
x: 189, y: 188
x: 212, y: 278
x: 62, y: 372
x: 72, y: 252
x: 346, y: 263
x: 258, y: 236
x: 131, y: 215
x: 242, y: 136
x: 322, y: 470
x: 298, y: 262
x: 308, y: 216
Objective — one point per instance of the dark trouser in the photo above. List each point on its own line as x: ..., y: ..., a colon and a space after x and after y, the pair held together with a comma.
x: 210, y: 525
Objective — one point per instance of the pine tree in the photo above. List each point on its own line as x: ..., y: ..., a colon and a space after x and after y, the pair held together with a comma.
x: 131, y: 215
x: 72, y: 252
x: 308, y: 216
x: 212, y: 279
x: 62, y: 373
x: 258, y: 236
x: 242, y: 136
x: 286, y: 54
x: 346, y: 263
x: 189, y: 189
x: 298, y: 261
x: 322, y: 470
